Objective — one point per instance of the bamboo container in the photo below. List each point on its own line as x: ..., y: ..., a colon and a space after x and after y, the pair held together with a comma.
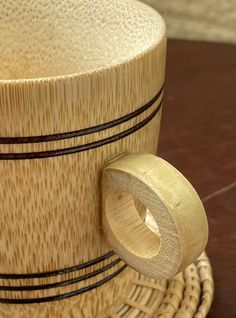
x: 81, y: 90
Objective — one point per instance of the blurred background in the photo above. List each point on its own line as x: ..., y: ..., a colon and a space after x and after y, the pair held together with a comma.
x: 209, y: 20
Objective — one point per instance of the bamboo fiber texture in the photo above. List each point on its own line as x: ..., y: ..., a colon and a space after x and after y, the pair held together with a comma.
x: 69, y: 68
x: 80, y: 82
x: 189, y: 294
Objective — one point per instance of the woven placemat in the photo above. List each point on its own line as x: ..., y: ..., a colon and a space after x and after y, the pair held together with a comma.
x: 186, y: 295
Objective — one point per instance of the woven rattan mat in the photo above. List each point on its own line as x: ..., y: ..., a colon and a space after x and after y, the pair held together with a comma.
x: 186, y: 295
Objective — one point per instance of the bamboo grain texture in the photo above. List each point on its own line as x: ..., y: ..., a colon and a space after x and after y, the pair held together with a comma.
x: 66, y: 67
x: 56, y: 79
x: 181, y: 231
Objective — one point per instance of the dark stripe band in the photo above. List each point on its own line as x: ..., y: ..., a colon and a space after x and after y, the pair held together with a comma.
x: 58, y: 272
x: 80, y: 148
x: 65, y: 295
x: 81, y: 132
x: 62, y: 283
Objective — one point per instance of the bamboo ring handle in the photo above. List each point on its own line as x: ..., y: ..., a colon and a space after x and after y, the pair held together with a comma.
x: 176, y: 231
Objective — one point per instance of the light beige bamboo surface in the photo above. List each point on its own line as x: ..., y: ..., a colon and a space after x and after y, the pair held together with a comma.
x: 66, y: 66
x: 186, y: 295
x: 176, y: 209
x: 50, y: 208
x: 45, y: 195
x: 189, y: 294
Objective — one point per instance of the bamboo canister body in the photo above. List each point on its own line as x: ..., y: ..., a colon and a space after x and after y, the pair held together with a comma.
x: 57, y: 132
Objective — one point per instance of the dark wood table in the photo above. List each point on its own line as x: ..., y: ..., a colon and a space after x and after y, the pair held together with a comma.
x: 198, y: 136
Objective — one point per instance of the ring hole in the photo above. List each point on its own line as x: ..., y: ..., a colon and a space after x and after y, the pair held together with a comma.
x: 150, y: 222
x: 132, y: 224
x: 146, y: 216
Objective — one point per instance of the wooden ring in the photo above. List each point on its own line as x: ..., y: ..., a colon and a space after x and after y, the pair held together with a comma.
x: 175, y: 208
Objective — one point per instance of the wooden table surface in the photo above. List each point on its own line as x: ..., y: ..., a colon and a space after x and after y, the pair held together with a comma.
x: 198, y: 136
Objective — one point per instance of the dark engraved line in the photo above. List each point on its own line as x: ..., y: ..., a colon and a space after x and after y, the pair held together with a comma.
x: 59, y: 272
x: 80, y: 148
x: 81, y: 132
x: 62, y: 283
x: 62, y: 296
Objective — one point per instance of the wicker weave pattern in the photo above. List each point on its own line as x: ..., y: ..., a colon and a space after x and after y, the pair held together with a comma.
x: 187, y: 295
